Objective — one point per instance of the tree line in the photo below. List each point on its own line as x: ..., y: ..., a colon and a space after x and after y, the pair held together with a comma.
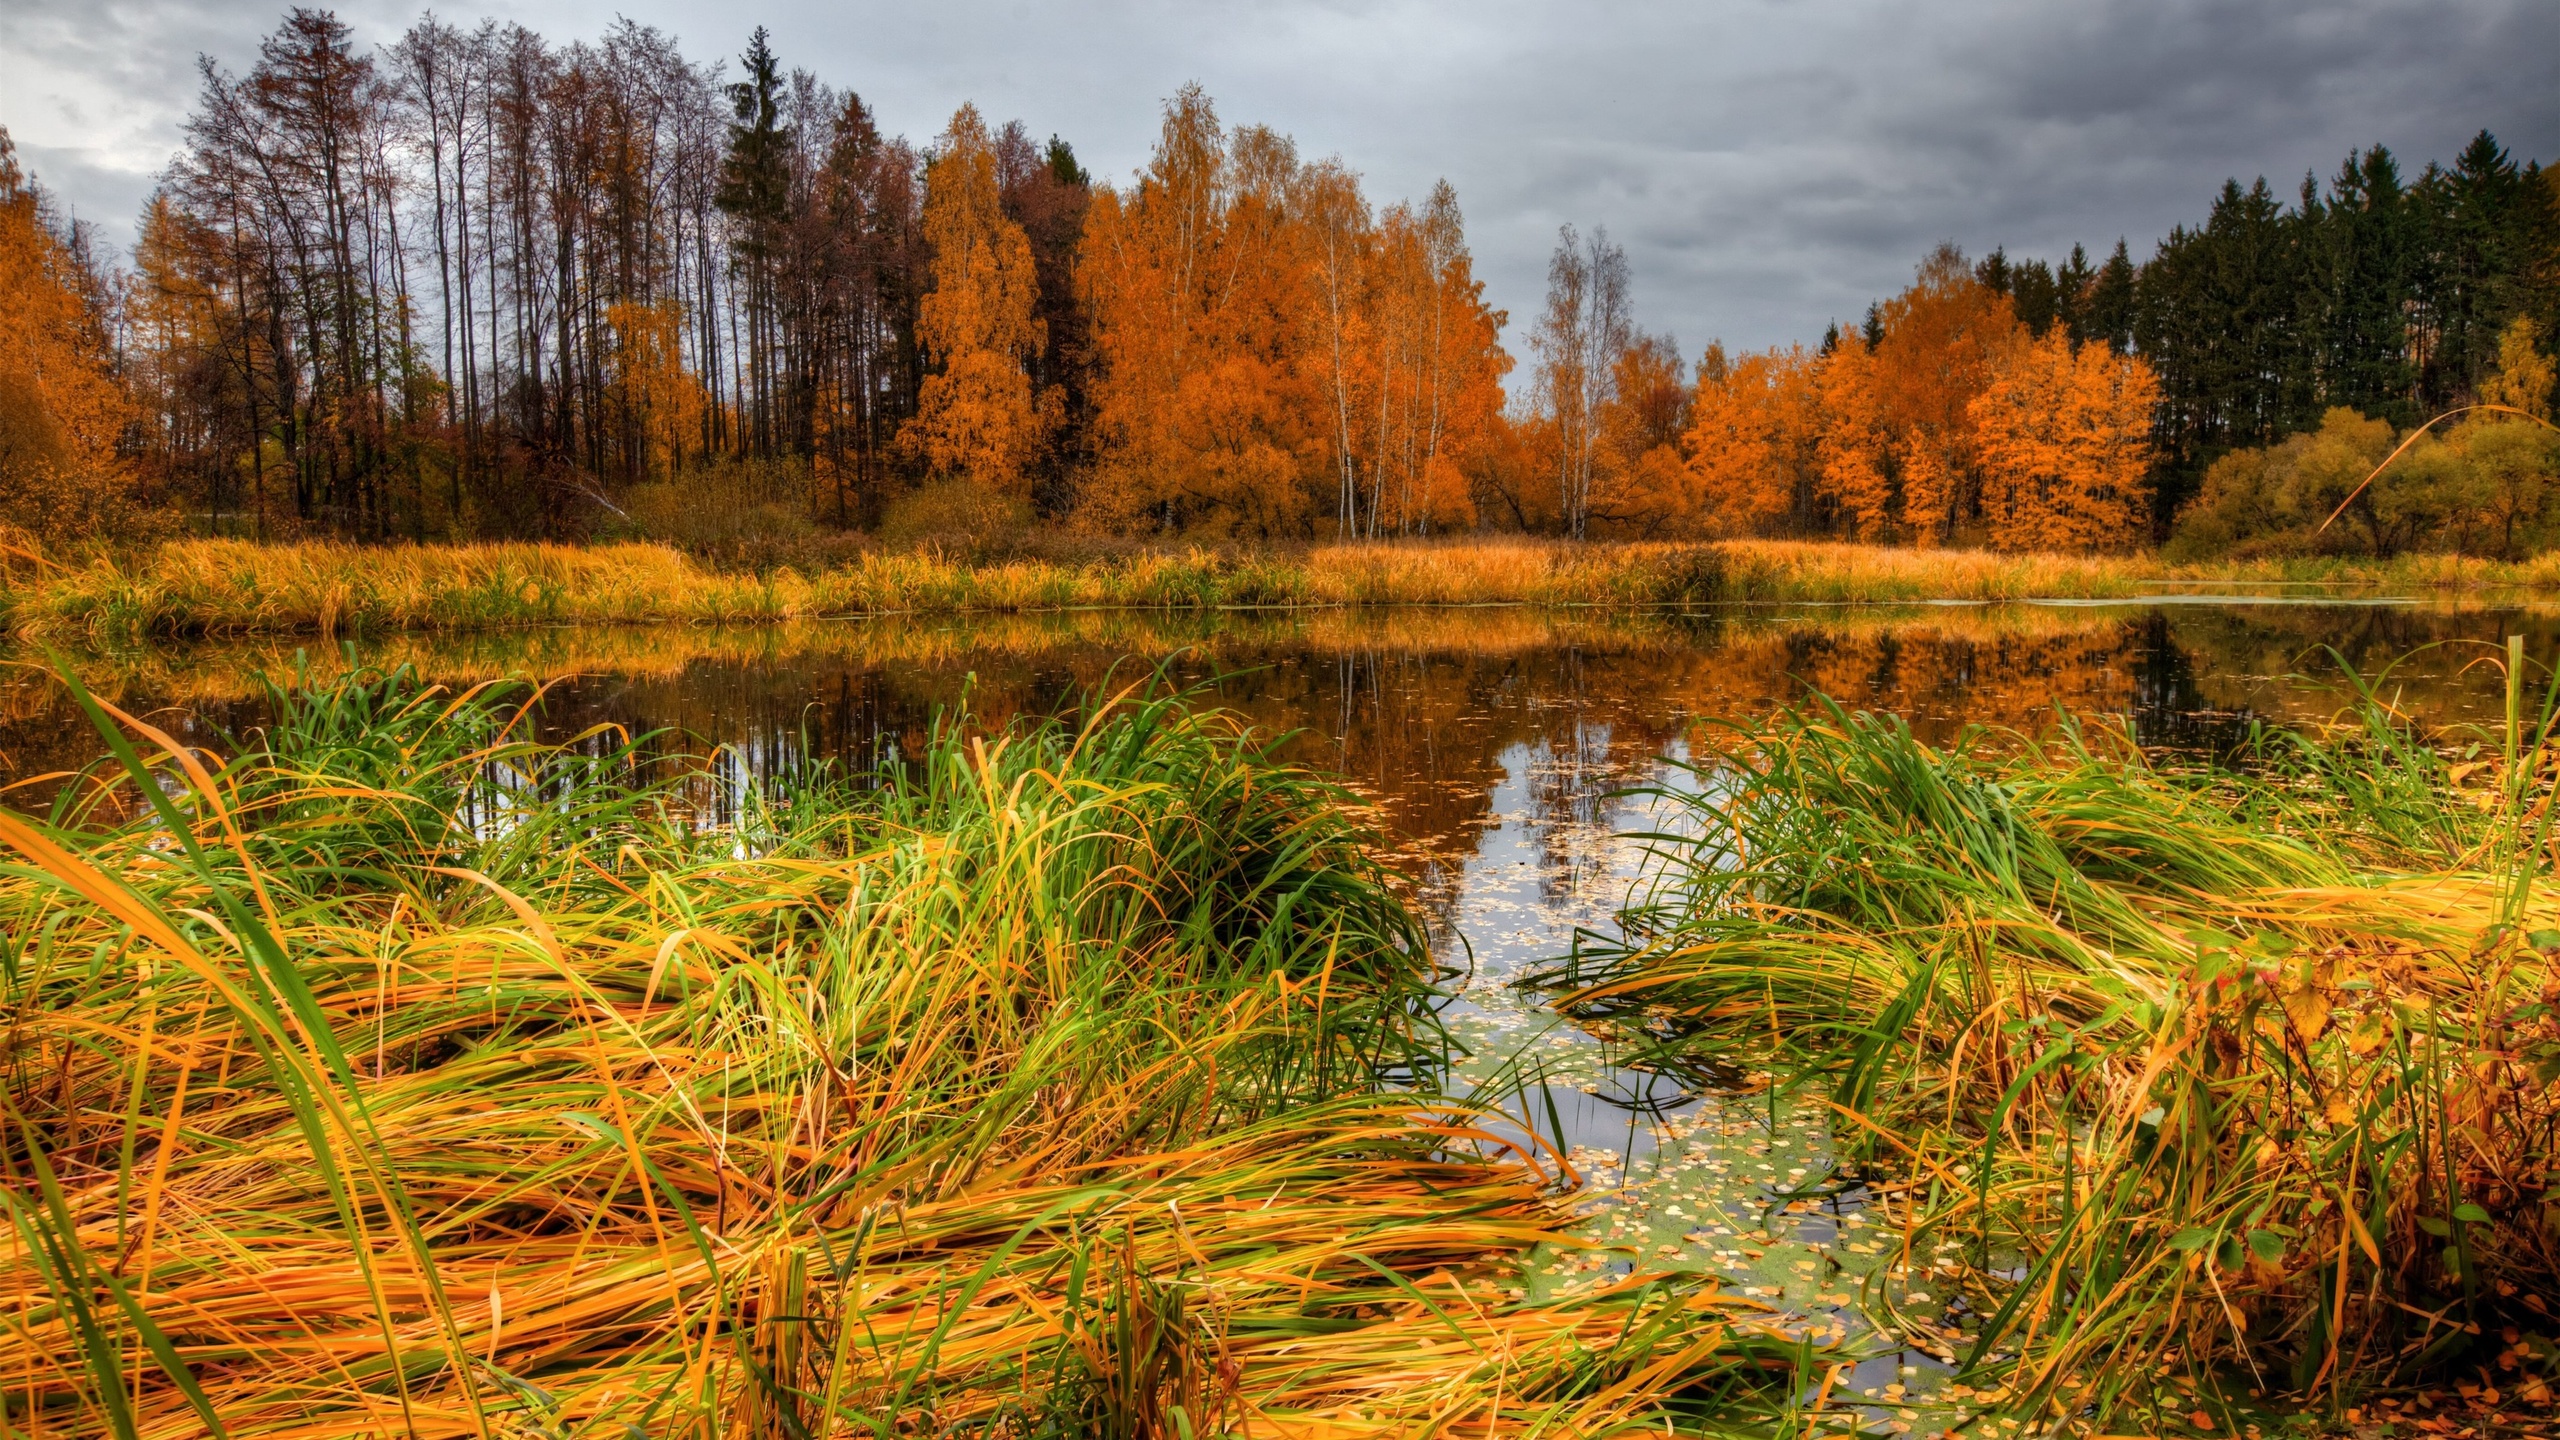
x: 2383, y: 293
x: 2024, y: 403
x: 476, y: 282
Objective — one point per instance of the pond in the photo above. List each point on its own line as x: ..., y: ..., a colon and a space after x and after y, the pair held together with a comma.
x: 1497, y: 747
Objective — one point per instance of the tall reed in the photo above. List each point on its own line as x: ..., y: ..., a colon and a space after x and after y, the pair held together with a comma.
x: 235, y: 587
x: 398, y: 1075
x: 232, y: 587
x: 2240, y: 1076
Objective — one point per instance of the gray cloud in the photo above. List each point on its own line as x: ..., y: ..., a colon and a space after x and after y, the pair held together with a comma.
x: 1769, y: 164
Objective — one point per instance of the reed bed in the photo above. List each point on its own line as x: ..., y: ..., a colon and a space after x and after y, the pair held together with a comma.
x: 2235, y: 1078
x: 396, y: 1075
x: 207, y: 587
x: 201, y: 587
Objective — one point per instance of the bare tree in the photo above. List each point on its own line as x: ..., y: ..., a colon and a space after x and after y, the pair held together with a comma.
x: 1586, y: 325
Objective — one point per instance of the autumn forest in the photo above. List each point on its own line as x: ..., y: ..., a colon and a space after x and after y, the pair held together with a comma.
x: 675, y: 765
x: 486, y: 284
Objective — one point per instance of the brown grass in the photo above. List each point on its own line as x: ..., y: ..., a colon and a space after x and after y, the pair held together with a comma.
x: 233, y: 587
x: 195, y: 587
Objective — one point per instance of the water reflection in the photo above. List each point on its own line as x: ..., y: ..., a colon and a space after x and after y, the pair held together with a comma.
x: 1496, y: 745
x: 1417, y: 708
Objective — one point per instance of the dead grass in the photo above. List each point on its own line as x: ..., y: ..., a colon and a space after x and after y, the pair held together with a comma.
x: 404, y: 1078
x: 225, y: 587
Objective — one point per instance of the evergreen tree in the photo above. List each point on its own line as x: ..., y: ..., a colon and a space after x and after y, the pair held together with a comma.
x: 1993, y: 271
x: 755, y: 193
x: 2112, y: 301
x: 2036, y: 294
x: 2217, y: 314
x: 1063, y: 167
x: 755, y: 179
x: 2073, y: 284
x: 2476, y: 221
x: 2361, y: 267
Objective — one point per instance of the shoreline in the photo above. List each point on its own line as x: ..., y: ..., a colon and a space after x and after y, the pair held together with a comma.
x: 205, y: 588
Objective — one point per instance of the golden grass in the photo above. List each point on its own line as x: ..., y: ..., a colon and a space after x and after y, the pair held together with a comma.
x: 234, y: 587
x: 2235, y: 1079
x: 192, y: 587
x: 1043, y: 1095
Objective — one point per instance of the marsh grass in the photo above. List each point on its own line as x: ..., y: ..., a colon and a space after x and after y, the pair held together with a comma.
x: 395, y: 1074
x: 2237, y: 1077
x: 234, y: 587
x: 231, y: 587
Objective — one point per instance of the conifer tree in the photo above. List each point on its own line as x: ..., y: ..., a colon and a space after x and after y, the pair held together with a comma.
x: 2359, y: 258
x: 2075, y: 286
x: 2112, y: 302
x: 755, y: 193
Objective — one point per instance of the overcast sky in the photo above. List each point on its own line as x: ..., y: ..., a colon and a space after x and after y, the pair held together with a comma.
x: 1769, y: 164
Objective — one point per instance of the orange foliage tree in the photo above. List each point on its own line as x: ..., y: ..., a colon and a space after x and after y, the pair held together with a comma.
x: 1906, y: 458
x: 977, y: 419
x: 62, y: 412
x: 1943, y: 422
x: 1640, y: 487
x: 2064, y: 437
x: 1414, y: 363
x: 1271, y: 355
x: 1189, y: 304
x: 1859, y: 445
x: 1750, y: 453
x: 661, y: 400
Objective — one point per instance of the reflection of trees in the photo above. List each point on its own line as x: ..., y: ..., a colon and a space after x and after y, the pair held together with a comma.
x: 1414, y: 707
x: 1569, y: 785
x: 2244, y: 657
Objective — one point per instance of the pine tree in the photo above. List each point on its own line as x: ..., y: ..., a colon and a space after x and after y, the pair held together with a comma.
x: 2474, y: 218
x: 2112, y: 303
x: 755, y: 193
x: 2362, y: 262
x: 2074, y: 284
x: 2218, y: 317
x: 2036, y: 295
x: 1993, y: 270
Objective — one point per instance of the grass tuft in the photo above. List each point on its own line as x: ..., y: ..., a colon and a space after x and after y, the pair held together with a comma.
x: 397, y: 1075
x: 2240, y: 1078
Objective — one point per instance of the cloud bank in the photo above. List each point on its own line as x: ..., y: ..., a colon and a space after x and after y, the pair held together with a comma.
x: 1770, y: 165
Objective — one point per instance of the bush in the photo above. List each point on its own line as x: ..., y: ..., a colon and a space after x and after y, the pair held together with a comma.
x: 2484, y: 488
x: 722, y: 504
x: 957, y: 518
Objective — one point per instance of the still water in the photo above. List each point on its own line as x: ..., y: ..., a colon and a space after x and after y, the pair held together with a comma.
x: 1498, y: 747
